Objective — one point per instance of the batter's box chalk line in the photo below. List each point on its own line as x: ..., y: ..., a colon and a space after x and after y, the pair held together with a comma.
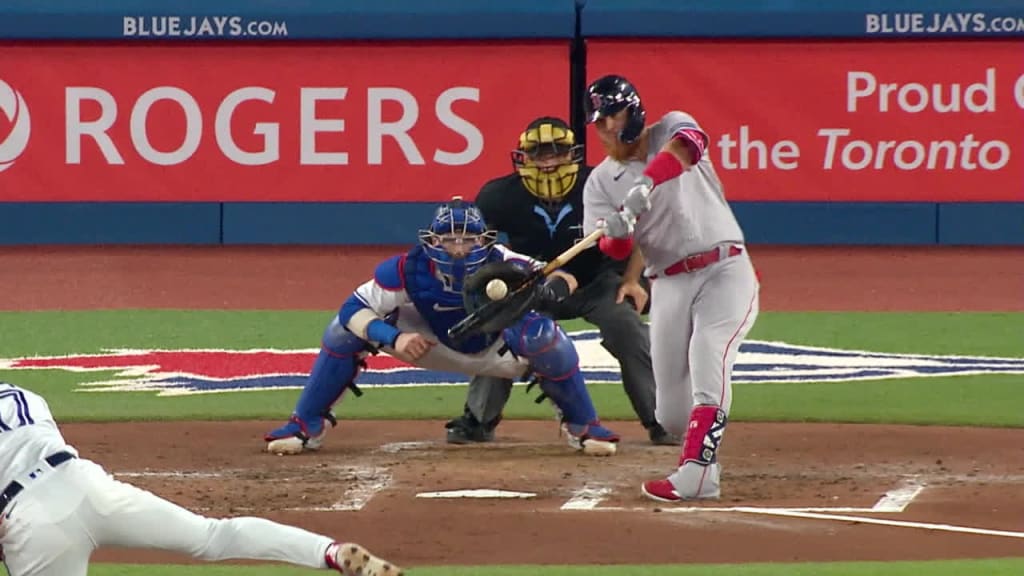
x: 896, y: 500
x: 363, y: 483
x: 892, y: 502
x: 368, y: 481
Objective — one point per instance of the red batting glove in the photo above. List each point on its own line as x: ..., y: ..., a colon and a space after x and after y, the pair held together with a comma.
x: 616, y: 248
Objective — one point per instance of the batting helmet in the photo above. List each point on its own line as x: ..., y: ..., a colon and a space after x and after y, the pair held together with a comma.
x: 457, y: 240
x: 548, y: 158
x: 609, y: 95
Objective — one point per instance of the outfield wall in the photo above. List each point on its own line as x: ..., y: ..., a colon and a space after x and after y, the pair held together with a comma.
x: 867, y: 122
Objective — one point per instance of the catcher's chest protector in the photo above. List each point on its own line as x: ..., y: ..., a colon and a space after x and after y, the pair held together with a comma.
x: 440, y: 308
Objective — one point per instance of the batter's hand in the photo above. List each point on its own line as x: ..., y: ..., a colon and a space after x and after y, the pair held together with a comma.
x: 570, y: 280
x: 413, y: 345
x: 618, y: 225
x: 634, y: 291
x: 638, y: 199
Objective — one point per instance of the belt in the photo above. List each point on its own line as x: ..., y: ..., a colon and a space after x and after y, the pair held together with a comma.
x: 695, y: 262
x: 15, y: 487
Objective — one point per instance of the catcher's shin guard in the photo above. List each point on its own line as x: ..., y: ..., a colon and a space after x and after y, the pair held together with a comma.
x: 553, y: 358
x: 698, y: 472
x: 341, y: 355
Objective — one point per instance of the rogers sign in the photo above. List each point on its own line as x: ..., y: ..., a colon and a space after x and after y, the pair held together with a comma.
x: 14, y: 142
x: 270, y: 123
x: 79, y: 131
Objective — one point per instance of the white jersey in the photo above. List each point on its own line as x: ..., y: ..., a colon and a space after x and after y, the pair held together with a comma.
x: 28, y: 432
x: 689, y: 214
x: 63, y: 513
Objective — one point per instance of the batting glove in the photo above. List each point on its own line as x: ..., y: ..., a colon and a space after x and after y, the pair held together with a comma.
x: 618, y: 225
x: 638, y: 199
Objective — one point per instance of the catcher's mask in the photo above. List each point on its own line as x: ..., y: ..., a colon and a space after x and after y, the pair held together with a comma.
x: 457, y: 240
x: 548, y: 159
x: 607, y: 96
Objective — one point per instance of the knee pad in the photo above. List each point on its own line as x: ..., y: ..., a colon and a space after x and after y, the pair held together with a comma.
x: 338, y: 340
x: 703, y: 435
x: 544, y: 344
x: 553, y: 358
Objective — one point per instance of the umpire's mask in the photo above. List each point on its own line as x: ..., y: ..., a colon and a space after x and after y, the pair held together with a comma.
x: 548, y: 159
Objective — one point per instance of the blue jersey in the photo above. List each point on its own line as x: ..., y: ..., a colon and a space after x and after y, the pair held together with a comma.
x: 411, y: 278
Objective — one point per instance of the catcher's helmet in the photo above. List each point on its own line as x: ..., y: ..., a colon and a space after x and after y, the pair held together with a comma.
x: 457, y: 240
x: 548, y: 158
x: 610, y: 94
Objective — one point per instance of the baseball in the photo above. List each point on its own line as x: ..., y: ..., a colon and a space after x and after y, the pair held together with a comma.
x: 497, y: 289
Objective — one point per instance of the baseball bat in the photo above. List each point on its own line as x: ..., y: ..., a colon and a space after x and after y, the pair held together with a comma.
x: 473, y: 321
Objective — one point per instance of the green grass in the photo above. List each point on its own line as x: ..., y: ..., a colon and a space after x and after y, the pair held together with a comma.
x: 994, y: 567
x: 963, y: 400
x: 34, y: 333
x: 991, y: 400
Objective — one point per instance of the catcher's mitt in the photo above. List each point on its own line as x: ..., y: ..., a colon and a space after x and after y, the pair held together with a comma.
x: 490, y: 316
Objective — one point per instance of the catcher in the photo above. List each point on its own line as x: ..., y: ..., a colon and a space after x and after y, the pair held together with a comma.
x: 429, y: 307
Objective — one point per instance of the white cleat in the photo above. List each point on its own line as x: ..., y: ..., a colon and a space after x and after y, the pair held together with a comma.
x: 589, y: 445
x: 593, y: 447
x: 296, y: 444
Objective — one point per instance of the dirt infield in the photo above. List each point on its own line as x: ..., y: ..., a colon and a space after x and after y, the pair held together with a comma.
x: 973, y: 478
x: 933, y: 488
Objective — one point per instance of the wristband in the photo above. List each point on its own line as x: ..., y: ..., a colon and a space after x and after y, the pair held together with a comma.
x: 380, y: 331
x: 664, y: 167
x: 616, y: 248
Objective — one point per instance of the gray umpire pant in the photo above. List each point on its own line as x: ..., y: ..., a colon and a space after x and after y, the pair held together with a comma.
x: 623, y: 333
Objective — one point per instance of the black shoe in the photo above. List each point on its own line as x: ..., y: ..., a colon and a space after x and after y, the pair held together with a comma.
x: 466, y: 430
x: 661, y: 437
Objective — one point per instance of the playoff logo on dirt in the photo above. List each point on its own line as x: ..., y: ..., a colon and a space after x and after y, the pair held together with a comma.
x: 198, y: 371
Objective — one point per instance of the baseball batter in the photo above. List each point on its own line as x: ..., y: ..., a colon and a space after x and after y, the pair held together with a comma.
x: 57, y: 508
x: 407, y: 310
x: 657, y: 188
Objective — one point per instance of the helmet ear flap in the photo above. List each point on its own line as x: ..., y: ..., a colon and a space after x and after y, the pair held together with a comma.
x: 636, y: 118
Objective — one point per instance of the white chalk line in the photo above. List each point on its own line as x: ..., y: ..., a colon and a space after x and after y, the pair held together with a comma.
x: 369, y: 480
x: 883, y: 522
x: 898, y: 499
x: 587, y: 497
x: 396, y: 447
x: 893, y: 501
x: 169, y: 474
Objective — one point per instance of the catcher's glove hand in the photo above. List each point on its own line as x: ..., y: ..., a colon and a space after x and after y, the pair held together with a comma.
x: 492, y: 316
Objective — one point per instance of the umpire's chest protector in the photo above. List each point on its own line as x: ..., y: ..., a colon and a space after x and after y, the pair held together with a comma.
x: 441, y: 308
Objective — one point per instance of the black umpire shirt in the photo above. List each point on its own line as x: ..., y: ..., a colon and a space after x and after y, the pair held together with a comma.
x: 536, y: 231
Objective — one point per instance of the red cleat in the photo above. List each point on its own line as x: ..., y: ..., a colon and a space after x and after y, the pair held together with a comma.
x: 660, y: 490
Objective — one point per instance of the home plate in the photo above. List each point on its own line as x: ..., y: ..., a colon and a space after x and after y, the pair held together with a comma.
x: 476, y: 493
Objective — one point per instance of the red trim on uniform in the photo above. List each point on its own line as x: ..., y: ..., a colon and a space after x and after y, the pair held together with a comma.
x: 564, y: 376
x: 401, y: 277
x: 750, y: 308
x: 694, y: 140
x: 664, y: 167
x: 703, y: 475
x: 329, y: 556
x: 616, y: 248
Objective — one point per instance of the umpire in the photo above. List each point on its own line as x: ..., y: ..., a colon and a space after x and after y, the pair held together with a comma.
x: 540, y: 208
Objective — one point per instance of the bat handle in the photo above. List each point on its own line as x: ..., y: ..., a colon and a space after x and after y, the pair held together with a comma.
x: 559, y: 261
